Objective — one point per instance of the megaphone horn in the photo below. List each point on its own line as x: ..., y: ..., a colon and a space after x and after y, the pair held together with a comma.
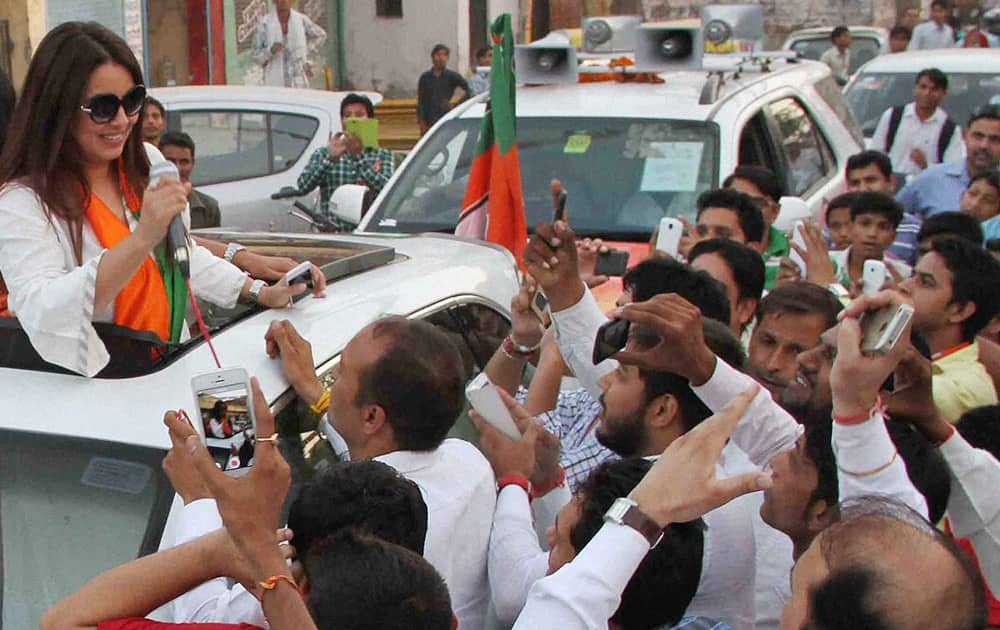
x: 549, y: 60
x: 660, y: 48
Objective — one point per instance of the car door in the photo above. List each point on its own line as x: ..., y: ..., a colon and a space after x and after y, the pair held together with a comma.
x: 246, y: 152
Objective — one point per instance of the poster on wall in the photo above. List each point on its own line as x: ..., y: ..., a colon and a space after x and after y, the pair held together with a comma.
x: 248, y: 14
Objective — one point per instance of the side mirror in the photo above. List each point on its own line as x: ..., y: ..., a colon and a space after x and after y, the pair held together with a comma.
x: 347, y: 202
x: 792, y: 209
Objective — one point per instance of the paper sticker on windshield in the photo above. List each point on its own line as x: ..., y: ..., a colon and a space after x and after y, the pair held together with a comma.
x: 672, y: 166
x: 116, y: 474
x: 577, y: 143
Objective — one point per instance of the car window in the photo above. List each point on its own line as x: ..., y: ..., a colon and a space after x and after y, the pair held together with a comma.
x: 70, y: 509
x: 623, y: 175
x: 477, y: 331
x: 871, y: 93
x: 863, y: 50
x: 755, y: 145
x: 290, y: 135
x: 235, y: 145
x: 807, y: 155
x: 831, y: 93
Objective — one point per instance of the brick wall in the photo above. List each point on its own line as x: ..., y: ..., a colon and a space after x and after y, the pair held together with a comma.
x: 565, y: 13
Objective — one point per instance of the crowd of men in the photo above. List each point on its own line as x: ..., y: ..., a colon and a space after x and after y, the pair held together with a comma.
x: 741, y: 437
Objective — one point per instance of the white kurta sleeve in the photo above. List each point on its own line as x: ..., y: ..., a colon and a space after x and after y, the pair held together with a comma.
x: 52, y: 299
x: 576, y: 329
x: 516, y: 560
x: 866, y: 447
x: 974, y: 504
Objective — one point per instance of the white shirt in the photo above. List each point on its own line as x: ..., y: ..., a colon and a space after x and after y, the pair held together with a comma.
x: 53, y: 297
x: 839, y: 63
x: 840, y: 259
x: 459, y: 489
x: 929, y: 35
x: 974, y: 504
x: 914, y: 133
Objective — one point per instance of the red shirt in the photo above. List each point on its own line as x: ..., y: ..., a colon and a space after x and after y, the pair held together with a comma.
x: 140, y: 623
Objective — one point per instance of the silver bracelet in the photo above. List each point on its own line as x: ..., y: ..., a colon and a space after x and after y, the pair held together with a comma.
x: 231, y: 250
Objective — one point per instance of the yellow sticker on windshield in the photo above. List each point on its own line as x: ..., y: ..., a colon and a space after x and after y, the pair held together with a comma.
x: 577, y: 143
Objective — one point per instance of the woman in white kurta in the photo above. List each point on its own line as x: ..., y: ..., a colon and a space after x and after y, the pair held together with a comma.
x: 81, y: 237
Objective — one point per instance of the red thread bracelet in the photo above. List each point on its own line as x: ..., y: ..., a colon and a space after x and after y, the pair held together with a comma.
x: 272, y: 582
x: 878, y: 407
x: 514, y: 480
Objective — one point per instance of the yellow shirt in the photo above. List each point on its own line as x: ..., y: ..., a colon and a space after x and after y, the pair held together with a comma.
x: 960, y: 383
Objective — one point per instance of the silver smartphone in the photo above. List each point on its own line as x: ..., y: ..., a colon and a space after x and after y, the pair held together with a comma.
x: 485, y: 399
x: 881, y: 329
x: 224, y: 406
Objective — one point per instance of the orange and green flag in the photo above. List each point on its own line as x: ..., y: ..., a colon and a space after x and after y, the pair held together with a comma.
x: 493, y: 207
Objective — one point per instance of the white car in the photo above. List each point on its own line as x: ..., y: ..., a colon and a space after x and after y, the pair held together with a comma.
x: 868, y: 42
x: 81, y: 487
x: 631, y: 153
x: 252, y: 141
x: 973, y: 81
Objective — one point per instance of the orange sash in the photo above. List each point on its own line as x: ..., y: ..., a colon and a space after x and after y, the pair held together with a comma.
x: 142, y: 304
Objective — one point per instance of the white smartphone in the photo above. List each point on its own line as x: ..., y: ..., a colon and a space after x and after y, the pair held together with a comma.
x: 873, y: 277
x: 485, y: 399
x: 668, y: 239
x: 799, y: 240
x: 224, y: 407
x: 881, y: 329
x: 300, y: 274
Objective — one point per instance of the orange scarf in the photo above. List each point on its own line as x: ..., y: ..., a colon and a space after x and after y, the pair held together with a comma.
x: 142, y: 304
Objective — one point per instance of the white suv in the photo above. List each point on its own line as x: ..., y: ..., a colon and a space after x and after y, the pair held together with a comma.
x: 81, y: 488
x: 630, y: 153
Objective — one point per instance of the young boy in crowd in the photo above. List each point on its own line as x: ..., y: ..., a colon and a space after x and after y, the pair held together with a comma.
x: 838, y: 220
x: 874, y: 219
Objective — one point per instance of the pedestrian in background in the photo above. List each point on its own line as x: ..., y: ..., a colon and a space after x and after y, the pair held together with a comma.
x: 934, y: 33
x: 436, y: 89
x: 282, y: 44
x: 838, y: 56
x: 899, y: 38
x: 479, y: 79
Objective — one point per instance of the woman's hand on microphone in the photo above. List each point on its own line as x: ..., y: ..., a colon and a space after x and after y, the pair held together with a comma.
x: 159, y: 206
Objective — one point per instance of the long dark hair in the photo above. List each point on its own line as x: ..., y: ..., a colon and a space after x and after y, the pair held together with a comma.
x: 40, y: 150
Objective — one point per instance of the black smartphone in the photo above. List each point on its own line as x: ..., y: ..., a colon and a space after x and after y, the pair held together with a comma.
x: 539, y: 304
x: 613, y: 262
x: 560, y: 211
x: 611, y: 337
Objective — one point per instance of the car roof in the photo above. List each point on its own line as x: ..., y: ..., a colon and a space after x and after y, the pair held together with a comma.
x: 984, y: 60
x: 678, y: 97
x: 428, y: 270
x: 826, y: 30
x: 255, y: 94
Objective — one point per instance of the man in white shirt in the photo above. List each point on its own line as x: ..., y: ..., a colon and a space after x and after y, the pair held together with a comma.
x: 920, y: 133
x: 934, y: 33
x: 838, y: 56
x: 398, y: 390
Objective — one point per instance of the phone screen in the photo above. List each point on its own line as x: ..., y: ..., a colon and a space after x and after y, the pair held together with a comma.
x: 229, y: 430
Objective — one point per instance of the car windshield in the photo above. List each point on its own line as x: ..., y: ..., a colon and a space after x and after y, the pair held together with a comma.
x: 872, y: 93
x: 622, y: 175
x: 70, y: 509
x: 863, y: 49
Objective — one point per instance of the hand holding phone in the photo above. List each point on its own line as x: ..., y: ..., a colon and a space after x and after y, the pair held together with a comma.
x: 613, y: 262
x: 668, y: 238
x: 611, y: 338
x: 873, y: 277
x: 559, y: 213
x: 881, y: 330
x: 300, y: 274
x: 225, y: 408
x: 485, y: 399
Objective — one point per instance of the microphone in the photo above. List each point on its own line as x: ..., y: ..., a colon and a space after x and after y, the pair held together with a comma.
x: 177, y: 242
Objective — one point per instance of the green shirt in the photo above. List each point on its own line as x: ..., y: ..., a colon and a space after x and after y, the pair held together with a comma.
x: 777, y: 249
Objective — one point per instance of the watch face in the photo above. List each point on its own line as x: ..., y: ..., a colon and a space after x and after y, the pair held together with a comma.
x: 618, y: 509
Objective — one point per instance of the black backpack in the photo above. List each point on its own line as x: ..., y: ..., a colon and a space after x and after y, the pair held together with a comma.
x: 947, y: 131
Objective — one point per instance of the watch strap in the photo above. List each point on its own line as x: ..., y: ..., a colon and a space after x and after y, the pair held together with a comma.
x: 231, y: 250
x: 626, y: 512
x: 254, y: 291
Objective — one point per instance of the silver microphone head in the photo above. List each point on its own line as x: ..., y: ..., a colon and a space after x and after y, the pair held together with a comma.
x: 162, y: 169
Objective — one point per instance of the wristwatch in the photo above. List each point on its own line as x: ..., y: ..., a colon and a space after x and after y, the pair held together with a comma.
x: 626, y: 512
x: 231, y: 250
x: 837, y: 290
x: 254, y: 291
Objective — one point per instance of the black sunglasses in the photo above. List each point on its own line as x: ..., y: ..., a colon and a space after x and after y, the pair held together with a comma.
x: 102, y: 108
